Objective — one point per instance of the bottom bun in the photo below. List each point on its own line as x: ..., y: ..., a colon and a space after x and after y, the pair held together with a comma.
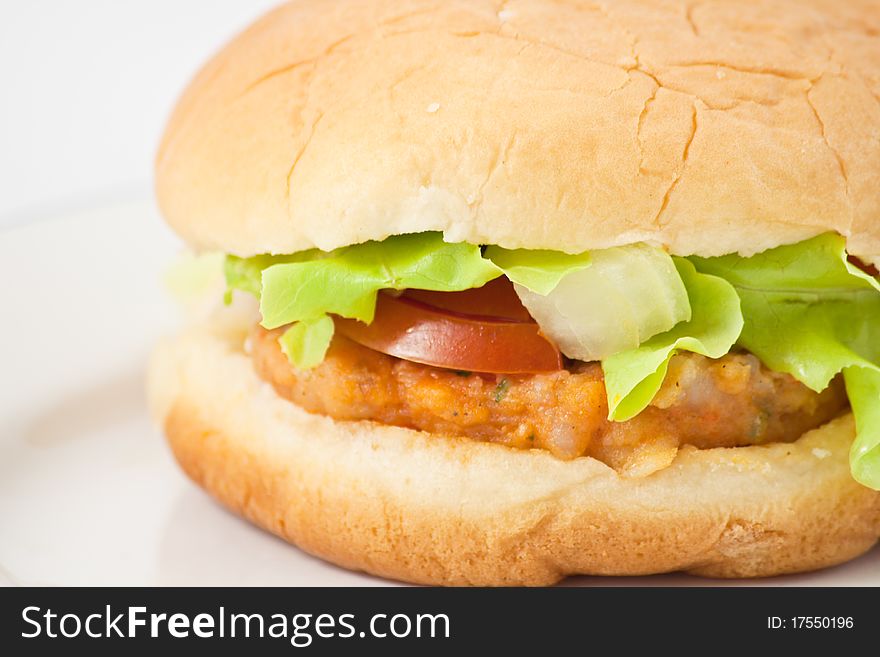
x: 443, y: 510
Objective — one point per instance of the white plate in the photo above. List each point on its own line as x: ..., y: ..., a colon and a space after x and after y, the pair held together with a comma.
x: 89, y: 495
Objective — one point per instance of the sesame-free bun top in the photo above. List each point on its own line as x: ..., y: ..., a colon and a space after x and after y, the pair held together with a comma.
x: 726, y: 126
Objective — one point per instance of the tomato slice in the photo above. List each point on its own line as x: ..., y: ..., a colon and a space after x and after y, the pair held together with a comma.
x: 870, y: 270
x: 484, y: 331
x: 495, y: 300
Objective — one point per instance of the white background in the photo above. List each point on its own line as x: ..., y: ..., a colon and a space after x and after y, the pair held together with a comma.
x: 85, y: 88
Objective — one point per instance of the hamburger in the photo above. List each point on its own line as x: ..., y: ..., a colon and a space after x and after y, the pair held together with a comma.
x: 519, y: 290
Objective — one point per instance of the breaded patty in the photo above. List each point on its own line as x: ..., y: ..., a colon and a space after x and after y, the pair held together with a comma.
x: 728, y: 402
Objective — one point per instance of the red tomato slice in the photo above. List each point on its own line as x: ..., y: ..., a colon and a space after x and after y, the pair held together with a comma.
x: 476, y: 331
x: 870, y: 270
x: 495, y: 300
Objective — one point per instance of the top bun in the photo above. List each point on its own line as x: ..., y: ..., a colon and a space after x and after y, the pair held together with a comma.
x: 727, y: 126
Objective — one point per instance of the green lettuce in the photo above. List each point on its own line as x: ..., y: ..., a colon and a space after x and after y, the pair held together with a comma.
x: 305, y: 288
x: 346, y: 282
x: 633, y: 377
x: 306, y: 342
x: 192, y: 276
x: 538, y: 270
x: 627, y: 295
x: 810, y: 313
x: 246, y: 274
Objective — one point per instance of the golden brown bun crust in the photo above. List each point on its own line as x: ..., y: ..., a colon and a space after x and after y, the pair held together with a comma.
x: 442, y: 510
x: 729, y: 126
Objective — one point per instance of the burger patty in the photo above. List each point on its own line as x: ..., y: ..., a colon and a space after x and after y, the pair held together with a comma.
x: 728, y: 402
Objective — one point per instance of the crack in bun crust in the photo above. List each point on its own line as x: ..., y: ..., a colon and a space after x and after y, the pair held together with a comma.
x: 327, y: 123
x: 444, y: 510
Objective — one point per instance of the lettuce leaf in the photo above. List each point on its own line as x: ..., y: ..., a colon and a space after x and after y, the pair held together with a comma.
x: 810, y: 313
x: 345, y: 282
x: 633, y: 377
x: 191, y: 276
x: 863, y: 390
x: 303, y: 289
x: 627, y: 295
x: 306, y: 342
x: 538, y: 270
x: 246, y: 274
